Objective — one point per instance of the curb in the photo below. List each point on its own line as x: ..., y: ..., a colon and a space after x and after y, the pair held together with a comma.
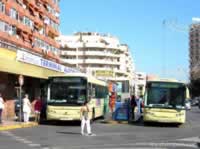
x: 114, y: 122
x: 16, y: 126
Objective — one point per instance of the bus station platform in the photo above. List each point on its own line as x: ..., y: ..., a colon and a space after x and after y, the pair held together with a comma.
x: 10, y: 124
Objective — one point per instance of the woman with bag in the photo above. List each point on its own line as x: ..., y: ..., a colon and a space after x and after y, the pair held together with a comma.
x: 26, y: 108
x: 85, y: 120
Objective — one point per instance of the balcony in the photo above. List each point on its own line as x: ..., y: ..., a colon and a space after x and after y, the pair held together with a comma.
x: 71, y: 61
x: 51, y: 30
x: 18, y: 42
x: 24, y: 12
x: 91, y: 61
x: 46, y: 39
x: 98, y: 61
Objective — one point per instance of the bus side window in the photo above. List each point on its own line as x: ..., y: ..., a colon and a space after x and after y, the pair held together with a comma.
x: 93, y: 92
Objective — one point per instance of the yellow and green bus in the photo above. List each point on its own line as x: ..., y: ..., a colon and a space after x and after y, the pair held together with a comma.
x: 65, y: 95
x: 164, y: 101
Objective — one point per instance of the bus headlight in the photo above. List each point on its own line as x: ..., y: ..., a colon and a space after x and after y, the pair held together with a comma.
x: 179, y: 114
x: 51, y: 111
x: 150, y: 113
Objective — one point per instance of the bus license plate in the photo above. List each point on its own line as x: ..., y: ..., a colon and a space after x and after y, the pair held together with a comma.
x: 66, y: 118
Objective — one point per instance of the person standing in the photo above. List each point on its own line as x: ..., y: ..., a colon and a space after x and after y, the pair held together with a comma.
x: 37, y: 109
x: 26, y: 108
x: 138, y: 101
x: 133, y: 104
x: 1, y: 107
x: 85, y: 120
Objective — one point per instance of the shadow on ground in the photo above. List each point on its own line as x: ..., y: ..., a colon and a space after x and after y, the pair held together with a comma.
x: 68, y: 133
x: 154, y: 124
x: 67, y: 123
x: 61, y: 123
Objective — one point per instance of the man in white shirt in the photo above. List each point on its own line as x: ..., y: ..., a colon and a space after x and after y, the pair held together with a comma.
x: 1, y: 107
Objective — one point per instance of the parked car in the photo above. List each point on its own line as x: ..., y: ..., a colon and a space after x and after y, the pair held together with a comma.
x: 195, y: 101
x: 188, y: 105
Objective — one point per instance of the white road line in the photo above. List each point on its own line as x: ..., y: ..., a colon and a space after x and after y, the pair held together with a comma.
x: 142, y: 145
x: 34, y: 145
x: 28, y: 142
x: 167, y: 145
x: 131, y: 148
x: 22, y: 140
x: 191, y: 139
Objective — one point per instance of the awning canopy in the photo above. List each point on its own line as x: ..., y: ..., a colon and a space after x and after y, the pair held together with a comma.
x: 8, y: 63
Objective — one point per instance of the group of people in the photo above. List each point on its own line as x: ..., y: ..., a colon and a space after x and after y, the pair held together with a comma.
x: 26, y: 108
x: 136, y: 105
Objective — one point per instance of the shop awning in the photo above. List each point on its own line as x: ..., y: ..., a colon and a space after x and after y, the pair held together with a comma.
x: 8, y: 63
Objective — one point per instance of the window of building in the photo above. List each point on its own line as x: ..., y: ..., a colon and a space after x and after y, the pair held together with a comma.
x: 2, y: 7
x: 14, y: 14
x: 2, y: 26
x: 55, y: 1
x: 13, y: 30
x: 28, y: 22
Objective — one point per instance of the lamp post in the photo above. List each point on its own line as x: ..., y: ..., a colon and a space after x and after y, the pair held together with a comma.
x: 21, y: 82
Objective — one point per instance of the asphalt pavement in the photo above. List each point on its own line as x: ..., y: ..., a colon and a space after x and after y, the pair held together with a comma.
x: 108, y: 136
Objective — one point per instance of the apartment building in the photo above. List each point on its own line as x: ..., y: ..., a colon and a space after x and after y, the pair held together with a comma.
x: 100, y: 55
x: 31, y: 25
x: 194, y: 51
x: 194, y: 45
x: 140, y: 83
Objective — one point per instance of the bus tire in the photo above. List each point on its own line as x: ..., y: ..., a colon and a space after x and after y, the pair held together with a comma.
x: 93, y: 115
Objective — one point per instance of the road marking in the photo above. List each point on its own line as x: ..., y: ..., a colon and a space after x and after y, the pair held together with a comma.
x: 34, y: 145
x: 167, y: 145
x: 140, y: 145
x: 191, y: 139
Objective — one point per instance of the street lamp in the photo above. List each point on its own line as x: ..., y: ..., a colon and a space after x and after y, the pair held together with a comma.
x: 21, y: 82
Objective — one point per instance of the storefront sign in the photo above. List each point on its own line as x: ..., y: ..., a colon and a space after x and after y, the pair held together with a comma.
x: 105, y: 73
x: 39, y: 61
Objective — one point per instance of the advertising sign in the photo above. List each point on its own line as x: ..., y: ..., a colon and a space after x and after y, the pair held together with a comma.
x: 29, y: 58
x: 104, y: 73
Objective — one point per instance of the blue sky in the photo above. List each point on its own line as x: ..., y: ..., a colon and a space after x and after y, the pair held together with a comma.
x: 156, y: 48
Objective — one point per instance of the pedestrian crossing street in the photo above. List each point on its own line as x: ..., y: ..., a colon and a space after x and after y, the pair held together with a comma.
x: 186, y: 143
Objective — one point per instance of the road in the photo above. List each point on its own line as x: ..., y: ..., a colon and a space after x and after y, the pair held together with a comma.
x: 118, y: 136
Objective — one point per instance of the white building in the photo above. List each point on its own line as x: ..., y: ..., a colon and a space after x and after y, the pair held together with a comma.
x: 140, y: 83
x: 100, y: 55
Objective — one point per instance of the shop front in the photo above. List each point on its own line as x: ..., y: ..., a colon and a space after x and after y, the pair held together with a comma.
x: 34, y: 69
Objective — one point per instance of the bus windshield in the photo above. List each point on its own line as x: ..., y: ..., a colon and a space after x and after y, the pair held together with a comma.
x: 167, y: 95
x: 68, y: 90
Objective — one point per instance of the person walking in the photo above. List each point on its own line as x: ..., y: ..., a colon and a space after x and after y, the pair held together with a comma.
x: 26, y: 108
x: 37, y: 109
x: 133, y: 104
x: 1, y: 107
x: 85, y: 120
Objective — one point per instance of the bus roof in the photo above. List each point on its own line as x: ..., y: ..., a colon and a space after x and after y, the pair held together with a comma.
x: 164, y: 80
x: 90, y: 79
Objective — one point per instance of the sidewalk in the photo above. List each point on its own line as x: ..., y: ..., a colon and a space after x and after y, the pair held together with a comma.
x: 10, y: 124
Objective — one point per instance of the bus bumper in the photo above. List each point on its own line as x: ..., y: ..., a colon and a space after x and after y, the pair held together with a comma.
x: 151, y: 117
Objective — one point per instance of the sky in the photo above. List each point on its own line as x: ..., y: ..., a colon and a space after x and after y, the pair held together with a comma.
x: 147, y: 26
